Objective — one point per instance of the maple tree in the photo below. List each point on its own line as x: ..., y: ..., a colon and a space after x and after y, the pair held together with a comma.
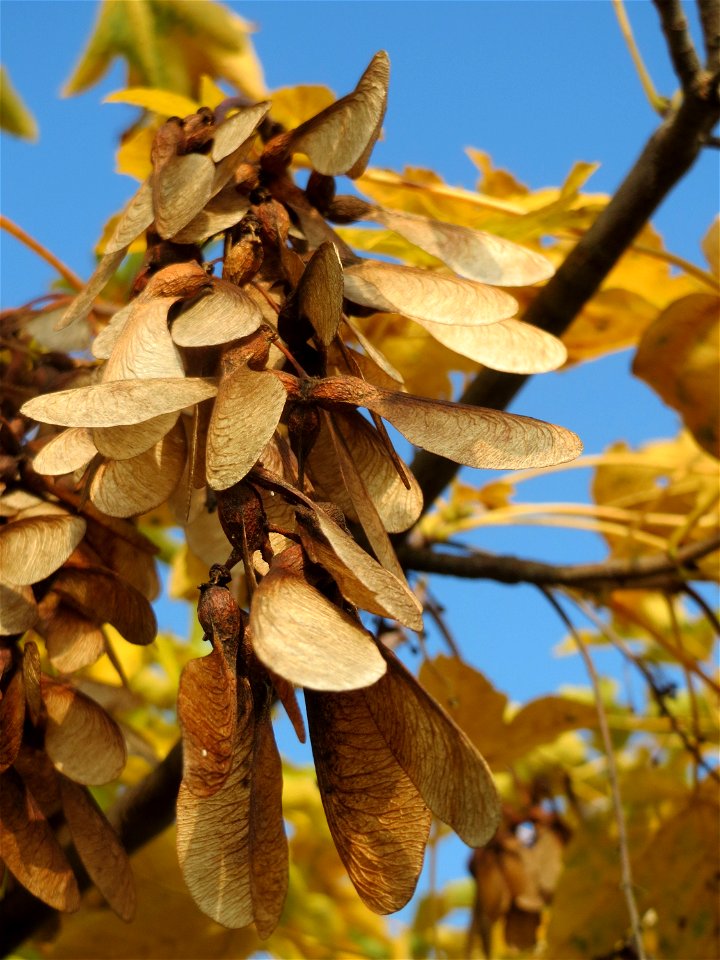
x: 210, y: 377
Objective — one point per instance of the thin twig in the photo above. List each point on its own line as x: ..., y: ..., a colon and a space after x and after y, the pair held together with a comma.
x: 692, y: 746
x: 626, y: 870
x: 657, y: 102
x: 680, y: 46
x: 436, y: 613
x: 65, y: 272
x: 710, y: 614
x: 655, y: 571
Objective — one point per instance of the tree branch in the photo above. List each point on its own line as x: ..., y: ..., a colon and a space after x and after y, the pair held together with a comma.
x: 657, y: 571
x: 710, y: 22
x: 666, y: 158
x: 680, y: 46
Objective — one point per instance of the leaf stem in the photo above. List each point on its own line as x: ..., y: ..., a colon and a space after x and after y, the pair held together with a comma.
x: 626, y: 871
x: 656, y: 100
x: 65, y: 272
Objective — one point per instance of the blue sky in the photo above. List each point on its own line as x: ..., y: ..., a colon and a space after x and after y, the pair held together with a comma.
x: 538, y: 84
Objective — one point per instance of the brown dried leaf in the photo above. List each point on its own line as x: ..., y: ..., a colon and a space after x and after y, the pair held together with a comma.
x: 320, y: 292
x: 340, y: 138
x: 119, y: 402
x: 223, y: 314
x: 80, y: 306
x: 452, y: 777
x: 29, y: 849
x: 213, y: 833
x: 122, y: 443
x: 508, y: 345
x: 18, y: 610
x: 127, y: 488
x: 473, y: 254
x: 268, y: 843
x: 100, y: 849
x: 376, y: 816
x: 207, y: 711
x: 361, y: 580
x: 32, y: 548
x: 72, y: 640
x: 136, y: 217
x: 475, y: 436
x: 247, y: 411
x: 101, y: 595
x: 181, y: 188
x: 398, y: 507
x: 71, y: 450
x: 234, y: 131
x: 424, y: 295
x: 300, y: 635
x: 82, y: 741
x: 12, y: 717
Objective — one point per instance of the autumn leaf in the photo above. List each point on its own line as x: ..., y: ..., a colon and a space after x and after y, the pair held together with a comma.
x: 15, y: 117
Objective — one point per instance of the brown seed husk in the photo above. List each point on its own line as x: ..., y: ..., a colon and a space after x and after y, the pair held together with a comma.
x: 246, y: 412
x: 29, y: 849
x: 18, y: 610
x: 234, y: 131
x: 424, y: 295
x: 82, y: 741
x: 119, y: 402
x: 213, y: 833
x: 123, y: 443
x: 71, y: 450
x: 300, y: 635
x: 72, y: 640
x: 101, y: 595
x: 340, y: 138
x: 398, y: 507
x: 181, y: 188
x: 12, y: 716
x: 450, y: 774
x: 144, y: 348
x: 207, y: 711
x: 219, y: 316
x: 473, y: 254
x: 136, y: 217
x: 80, y: 306
x: 320, y: 292
x: 33, y: 548
x: 377, y: 818
x: 100, y: 849
x: 127, y: 488
x: 32, y: 673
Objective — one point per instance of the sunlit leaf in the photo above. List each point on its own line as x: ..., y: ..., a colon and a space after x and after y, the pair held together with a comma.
x: 15, y: 117
x: 163, y: 102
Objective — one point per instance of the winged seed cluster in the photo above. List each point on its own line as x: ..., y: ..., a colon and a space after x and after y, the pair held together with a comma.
x: 235, y: 401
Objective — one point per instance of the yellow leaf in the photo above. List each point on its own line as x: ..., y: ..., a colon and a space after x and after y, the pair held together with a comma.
x: 292, y: 106
x: 14, y: 115
x: 711, y: 246
x: 163, y: 102
x: 679, y: 357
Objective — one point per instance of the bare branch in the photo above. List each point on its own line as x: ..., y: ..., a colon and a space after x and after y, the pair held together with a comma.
x: 680, y: 46
x: 710, y: 21
x: 666, y: 158
x: 653, y: 572
x: 626, y: 870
